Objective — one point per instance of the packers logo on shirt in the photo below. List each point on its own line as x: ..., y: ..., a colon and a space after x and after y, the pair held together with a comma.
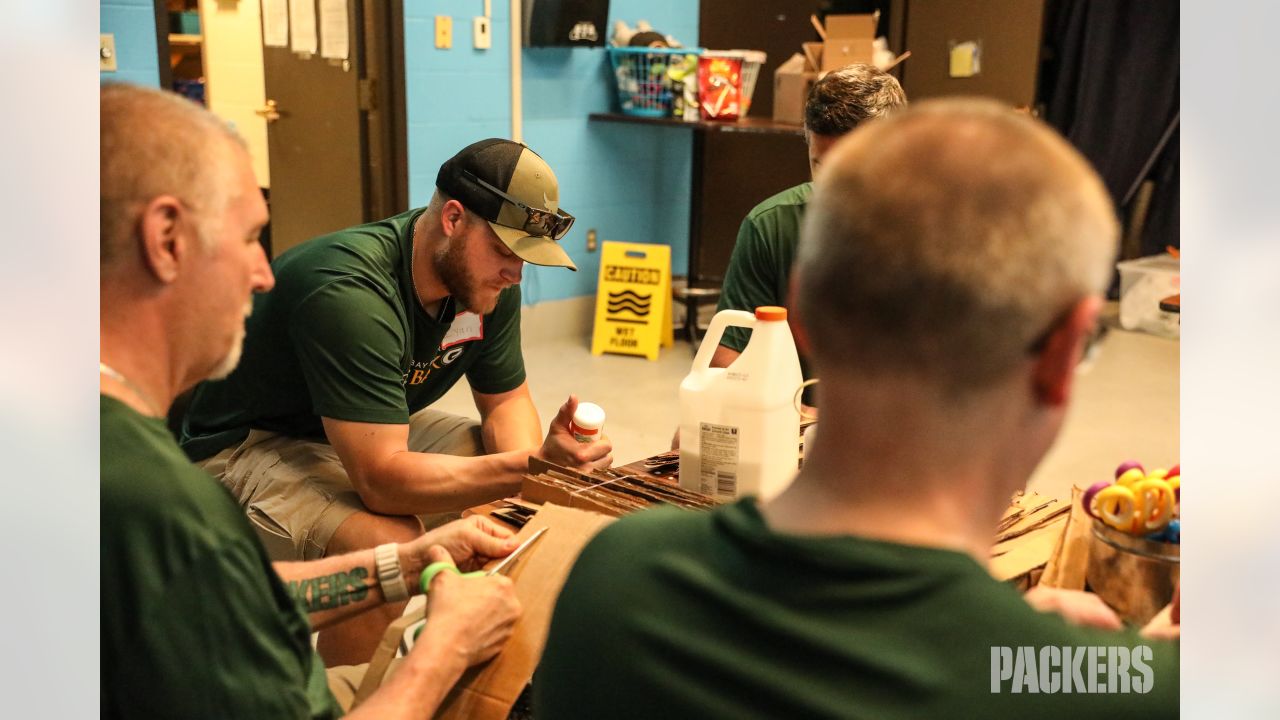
x: 467, y: 327
x: 419, y: 371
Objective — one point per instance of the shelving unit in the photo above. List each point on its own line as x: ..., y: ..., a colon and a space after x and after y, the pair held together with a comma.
x: 186, y: 53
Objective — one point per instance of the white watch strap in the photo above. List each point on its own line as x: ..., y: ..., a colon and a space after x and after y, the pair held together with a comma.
x: 387, y: 559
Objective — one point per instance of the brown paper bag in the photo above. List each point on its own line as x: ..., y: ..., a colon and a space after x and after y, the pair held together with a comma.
x: 1070, y: 559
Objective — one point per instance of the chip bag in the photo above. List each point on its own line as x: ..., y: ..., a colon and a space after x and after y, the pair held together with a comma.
x: 720, y: 87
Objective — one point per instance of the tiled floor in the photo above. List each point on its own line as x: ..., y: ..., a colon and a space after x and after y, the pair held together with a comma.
x: 1125, y: 403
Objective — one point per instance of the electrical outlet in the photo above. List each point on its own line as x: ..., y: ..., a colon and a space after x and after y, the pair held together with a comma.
x: 444, y: 32
x: 592, y: 244
x: 480, y: 32
x: 107, y: 52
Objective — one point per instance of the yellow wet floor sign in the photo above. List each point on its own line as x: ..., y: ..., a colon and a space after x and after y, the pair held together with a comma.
x: 633, y: 300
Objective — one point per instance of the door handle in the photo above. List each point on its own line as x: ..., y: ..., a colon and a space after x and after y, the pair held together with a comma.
x: 268, y: 112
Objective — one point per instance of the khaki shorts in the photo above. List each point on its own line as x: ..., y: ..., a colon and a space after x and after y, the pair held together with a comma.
x: 296, y: 492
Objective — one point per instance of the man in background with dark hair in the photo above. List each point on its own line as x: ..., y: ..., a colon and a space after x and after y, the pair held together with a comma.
x: 760, y: 268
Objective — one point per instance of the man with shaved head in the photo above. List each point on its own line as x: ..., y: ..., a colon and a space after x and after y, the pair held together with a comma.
x: 951, y: 268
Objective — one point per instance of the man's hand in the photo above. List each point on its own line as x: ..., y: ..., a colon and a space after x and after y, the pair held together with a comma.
x: 1075, y: 606
x: 561, y: 448
x: 471, y: 618
x: 471, y: 543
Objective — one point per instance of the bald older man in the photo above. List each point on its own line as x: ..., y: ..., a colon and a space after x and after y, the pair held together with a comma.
x: 951, y: 267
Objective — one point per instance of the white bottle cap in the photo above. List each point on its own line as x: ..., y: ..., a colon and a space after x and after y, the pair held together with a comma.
x: 587, y: 422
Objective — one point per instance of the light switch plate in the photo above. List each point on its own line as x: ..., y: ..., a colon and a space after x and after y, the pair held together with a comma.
x: 107, y: 53
x: 480, y: 32
x: 444, y: 32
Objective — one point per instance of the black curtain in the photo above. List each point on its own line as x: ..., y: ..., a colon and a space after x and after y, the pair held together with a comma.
x: 1109, y: 83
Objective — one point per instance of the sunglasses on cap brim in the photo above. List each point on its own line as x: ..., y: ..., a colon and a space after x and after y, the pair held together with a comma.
x: 536, y: 221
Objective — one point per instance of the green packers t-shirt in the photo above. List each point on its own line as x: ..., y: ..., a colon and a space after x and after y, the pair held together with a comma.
x: 195, y: 621
x: 342, y: 335
x: 760, y: 268
x: 675, y: 614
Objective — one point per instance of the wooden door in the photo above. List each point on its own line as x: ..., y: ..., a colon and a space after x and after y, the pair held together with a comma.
x: 336, y: 141
x: 233, y: 73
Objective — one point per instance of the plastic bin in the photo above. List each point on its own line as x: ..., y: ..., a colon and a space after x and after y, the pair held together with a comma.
x: 648, y: 79
x: 1143, y: 284
x: 184, y: 23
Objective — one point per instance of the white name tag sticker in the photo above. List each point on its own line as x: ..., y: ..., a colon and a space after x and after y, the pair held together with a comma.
x: 467, y: 326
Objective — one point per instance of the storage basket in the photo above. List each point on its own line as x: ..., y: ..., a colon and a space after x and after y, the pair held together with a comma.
x: 751, y: 61
x: 645, y: 87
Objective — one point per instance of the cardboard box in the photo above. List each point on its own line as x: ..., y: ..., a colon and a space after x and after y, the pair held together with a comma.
x: 488, y: 691
x: 618, y: 494
x: 539, y: 492
x: 850, y: 39
x: 791, y: 84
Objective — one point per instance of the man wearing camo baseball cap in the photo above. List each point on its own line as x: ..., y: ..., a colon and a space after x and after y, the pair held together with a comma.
x: 515, y: 190
x: 324, y: 433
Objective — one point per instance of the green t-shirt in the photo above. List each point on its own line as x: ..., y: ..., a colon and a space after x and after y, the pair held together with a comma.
x: 673, y: 613
x: 195, y: 622
x: 343, y: 336
x: 760, y: 268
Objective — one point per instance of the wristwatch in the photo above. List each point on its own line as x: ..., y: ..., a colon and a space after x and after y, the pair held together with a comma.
x: 387, y: 561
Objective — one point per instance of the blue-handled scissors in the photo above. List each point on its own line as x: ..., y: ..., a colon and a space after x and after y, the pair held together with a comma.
x: 436, y: 568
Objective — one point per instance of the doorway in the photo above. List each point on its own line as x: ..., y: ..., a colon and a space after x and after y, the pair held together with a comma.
x: 317, y: 93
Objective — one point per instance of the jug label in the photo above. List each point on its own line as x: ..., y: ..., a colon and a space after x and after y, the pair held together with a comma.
x: 719, y: 469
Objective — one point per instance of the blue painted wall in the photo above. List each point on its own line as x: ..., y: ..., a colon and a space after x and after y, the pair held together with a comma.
x: 629, y: 182
x: 133, y: 22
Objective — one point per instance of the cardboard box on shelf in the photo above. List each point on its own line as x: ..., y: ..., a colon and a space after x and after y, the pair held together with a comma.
x: 791, y: 84
x: 849, y: 40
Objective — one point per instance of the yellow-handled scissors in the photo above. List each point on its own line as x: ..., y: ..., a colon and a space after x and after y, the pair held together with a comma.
x: 438, y: 567
x: 1138, y: 508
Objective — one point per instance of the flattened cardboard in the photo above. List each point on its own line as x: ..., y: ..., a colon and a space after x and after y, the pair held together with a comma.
x: 531, y: 490
x: 488, y: 691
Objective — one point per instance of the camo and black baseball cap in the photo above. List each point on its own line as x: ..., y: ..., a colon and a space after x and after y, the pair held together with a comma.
x: 515, y: 190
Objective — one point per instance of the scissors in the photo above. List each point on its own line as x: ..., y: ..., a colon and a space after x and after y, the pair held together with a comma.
x: 1138, y: 508
x: 438, y: 567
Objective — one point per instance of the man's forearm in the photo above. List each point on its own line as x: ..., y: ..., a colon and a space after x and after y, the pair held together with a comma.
x: 335, y: 588
x: 418, y: 687
x: 509, y: 421
x: 724, y: 356
x: 413, y: 483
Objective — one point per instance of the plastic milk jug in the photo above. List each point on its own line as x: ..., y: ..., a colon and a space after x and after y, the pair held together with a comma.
x: 739, y: 427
